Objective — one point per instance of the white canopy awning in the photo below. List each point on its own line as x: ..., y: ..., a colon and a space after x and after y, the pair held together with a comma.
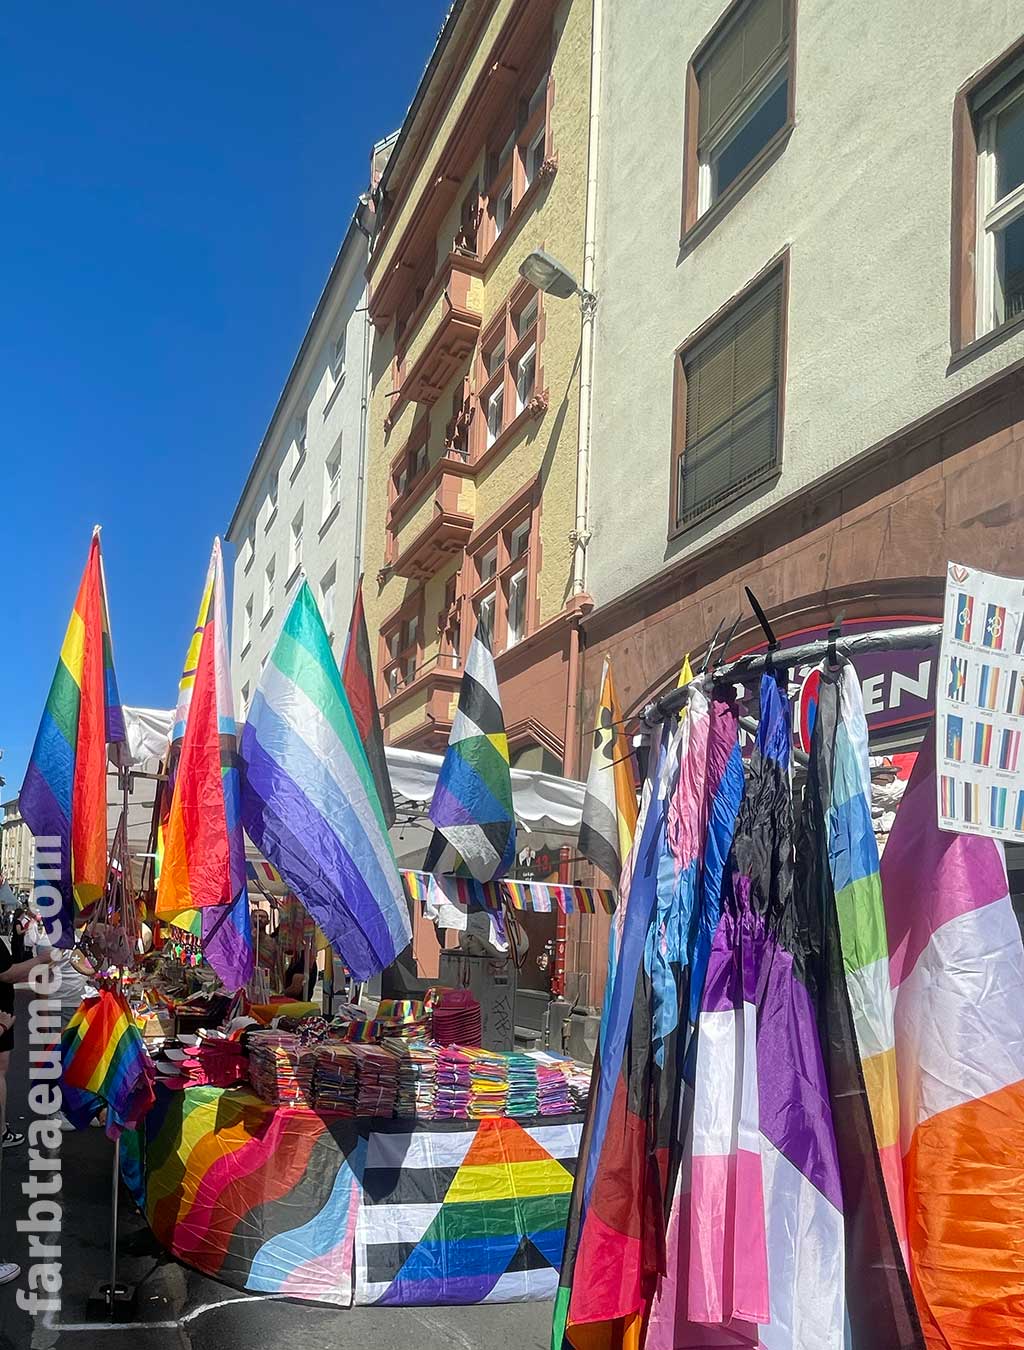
x: 548, y: 808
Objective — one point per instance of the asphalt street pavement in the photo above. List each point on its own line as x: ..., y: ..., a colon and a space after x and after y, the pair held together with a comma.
x: 178, y: 1309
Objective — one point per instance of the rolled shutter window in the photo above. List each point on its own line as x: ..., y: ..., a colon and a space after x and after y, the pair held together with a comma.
x: 730, y: 72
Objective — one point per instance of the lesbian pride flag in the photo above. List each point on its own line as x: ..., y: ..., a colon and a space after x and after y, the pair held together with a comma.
x: 957, y: 971
x: 65, y: 789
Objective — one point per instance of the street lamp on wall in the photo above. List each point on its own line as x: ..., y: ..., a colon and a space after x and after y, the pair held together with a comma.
x: 545, y: 272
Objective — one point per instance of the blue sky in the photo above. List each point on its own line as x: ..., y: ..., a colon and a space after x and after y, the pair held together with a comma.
x: 174, y: 183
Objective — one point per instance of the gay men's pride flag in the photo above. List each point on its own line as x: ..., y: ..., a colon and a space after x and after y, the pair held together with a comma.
x: 310, y: 803
x: 65, y: 789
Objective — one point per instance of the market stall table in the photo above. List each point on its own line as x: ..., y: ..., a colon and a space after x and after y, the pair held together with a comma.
x: 314, y: 1205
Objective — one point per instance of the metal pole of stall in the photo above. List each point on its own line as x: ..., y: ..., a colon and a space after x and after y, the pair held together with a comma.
x: 920, y: 637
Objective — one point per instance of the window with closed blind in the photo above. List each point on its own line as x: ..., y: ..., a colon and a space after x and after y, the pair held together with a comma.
x: 739, y: 101
x: 729, y: 382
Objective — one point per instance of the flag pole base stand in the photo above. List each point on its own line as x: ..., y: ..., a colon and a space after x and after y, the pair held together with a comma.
x: 121, y: 1307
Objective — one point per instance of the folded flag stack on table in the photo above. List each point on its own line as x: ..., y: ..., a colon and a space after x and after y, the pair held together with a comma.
x: 378, y: 1081
x: 563, y: 1083
x: 336, y: 1080
x: 523, y: 1085
x: 281, y: 1068
x: 417, y: 1079
x: 453, y: 1083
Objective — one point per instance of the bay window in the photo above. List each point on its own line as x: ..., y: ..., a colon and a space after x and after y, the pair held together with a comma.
x: 502, y: 578
x: 508, y: 374
x: 402, y: 641
x: 519, y: 146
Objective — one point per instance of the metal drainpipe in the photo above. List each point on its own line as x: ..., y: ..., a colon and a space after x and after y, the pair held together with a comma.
x: 581, y: 533
x: 364, y: 408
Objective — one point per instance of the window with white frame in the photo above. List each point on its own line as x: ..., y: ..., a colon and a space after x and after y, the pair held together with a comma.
x: 301, y: 427
x: 332, y: 480
x: 272, y: 488
x: 519, y: 143
x: 402, y: 648
x: 243, y: 702
x: 269, y: 577
x: 249, y: 548
x: 295, y: 542
x: 508, y: 365
x: 247, y: 618
x: 328, y: 589
x: 999, y: 268
x: 338, y: 358
x: 501, y: 575
x: 742, y: 76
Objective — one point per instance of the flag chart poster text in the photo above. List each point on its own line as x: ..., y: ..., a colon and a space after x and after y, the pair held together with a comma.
x: 980, y: 706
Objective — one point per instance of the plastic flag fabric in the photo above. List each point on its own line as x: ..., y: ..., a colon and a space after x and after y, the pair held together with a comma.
x: 766, y: 1223
x: 65, y: 789
x: 104, y: 1063
x: 357, y: 677
x: 845, y: 919
x: 472, y: 805
x: 957, y: 967
x: 614, y: 1240
x: 309, y: 801
x: 201, y: 884
x: 609, y: 807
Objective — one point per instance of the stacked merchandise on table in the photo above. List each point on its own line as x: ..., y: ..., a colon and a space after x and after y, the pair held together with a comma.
x: 281, y: 1068
x: 209, y: 1059
x: 378, y: 1080
x: 416, y: 1098
x: 564, y: 1083
x: 523, y: 1087
x: 472, y: 1084
x: 336, y: 1080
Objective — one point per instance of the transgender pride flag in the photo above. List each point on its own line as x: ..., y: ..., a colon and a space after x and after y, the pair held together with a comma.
x: 309, y: 802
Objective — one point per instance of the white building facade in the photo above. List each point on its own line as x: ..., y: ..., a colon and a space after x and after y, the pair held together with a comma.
x: 17, y: 848
x: 809, y: 355
x: 301, y: 507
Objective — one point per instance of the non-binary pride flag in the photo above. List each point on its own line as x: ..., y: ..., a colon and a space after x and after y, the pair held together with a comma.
x: 65, y: 789
x: 357, y: 677
x: 472, y: 807
x: 309, y: 802
x: 202, y: 877
x: 609, y: 807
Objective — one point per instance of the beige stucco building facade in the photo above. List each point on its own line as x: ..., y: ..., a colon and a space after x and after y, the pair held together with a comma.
x: 475, y: 378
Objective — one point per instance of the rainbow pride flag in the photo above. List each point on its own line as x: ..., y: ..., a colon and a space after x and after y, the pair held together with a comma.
x: 982, y: 742
x: 65, y: 790
x: 104, y: 1063
x: 957, y: 972
x: 201, y: 883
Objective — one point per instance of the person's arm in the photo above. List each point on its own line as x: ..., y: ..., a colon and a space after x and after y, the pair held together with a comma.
x: 21, y: 971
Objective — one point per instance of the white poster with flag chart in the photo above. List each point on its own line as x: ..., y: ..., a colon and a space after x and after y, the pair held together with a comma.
x: 979, y: 706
